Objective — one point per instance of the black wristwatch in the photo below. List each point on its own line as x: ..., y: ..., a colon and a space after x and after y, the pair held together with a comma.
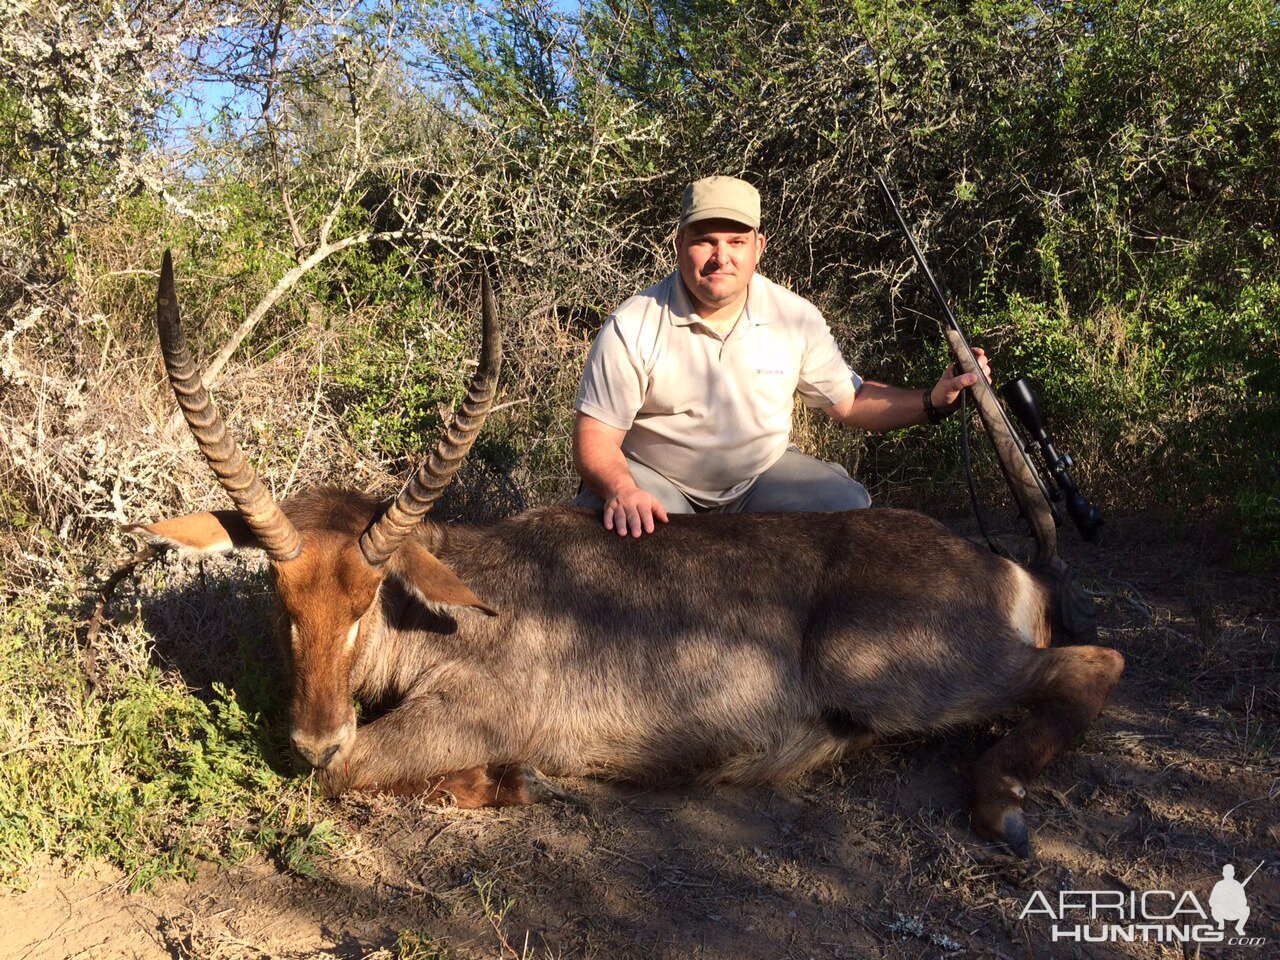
x: 930, y: 410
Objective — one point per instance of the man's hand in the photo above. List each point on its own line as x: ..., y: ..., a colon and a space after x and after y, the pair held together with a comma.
x: 946, y: 392
x: 598, y: 457
x: 879, y: 406
x: 633, y: 511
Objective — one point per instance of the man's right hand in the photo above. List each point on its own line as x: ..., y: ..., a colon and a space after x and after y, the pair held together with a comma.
x: 633, y: 511
x: 599, y: 460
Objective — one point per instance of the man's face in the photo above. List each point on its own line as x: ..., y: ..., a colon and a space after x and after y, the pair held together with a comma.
x: 717, y: 259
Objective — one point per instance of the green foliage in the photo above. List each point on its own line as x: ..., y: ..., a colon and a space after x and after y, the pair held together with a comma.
x: 1095, y: 182
x: 391, y: 393
x: 81, y: 87
x: 398, y: 370
x: 411, y: 945
x: 141, y: 773
x: 1257, y: 514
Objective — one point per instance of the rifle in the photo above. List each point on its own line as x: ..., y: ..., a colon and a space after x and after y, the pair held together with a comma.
x: 1038, y: 501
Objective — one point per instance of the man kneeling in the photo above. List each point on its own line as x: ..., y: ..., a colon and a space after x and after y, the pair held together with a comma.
x: 686, y: 402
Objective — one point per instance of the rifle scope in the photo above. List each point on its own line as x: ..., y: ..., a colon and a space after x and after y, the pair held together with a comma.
x: 1021, y: 398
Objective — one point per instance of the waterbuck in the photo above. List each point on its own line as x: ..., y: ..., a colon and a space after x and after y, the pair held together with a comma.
x: 738, y: 648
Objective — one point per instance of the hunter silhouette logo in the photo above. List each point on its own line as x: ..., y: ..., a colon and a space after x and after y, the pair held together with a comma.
x: 1228, y: 901
x: 1149, y: 916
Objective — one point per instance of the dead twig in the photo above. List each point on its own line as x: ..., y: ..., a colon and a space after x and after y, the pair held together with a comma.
x: 145, y: 555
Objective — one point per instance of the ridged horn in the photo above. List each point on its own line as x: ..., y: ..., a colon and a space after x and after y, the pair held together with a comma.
x: 236, y: 475
x: 424, y: 488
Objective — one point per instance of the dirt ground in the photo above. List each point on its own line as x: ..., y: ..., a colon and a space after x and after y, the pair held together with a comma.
x: 874, y: 858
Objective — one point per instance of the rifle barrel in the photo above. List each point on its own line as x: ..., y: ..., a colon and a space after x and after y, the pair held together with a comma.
x: 946, y: 309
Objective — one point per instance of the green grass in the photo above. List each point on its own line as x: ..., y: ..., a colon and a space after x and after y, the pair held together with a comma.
x: 411, y: 945
x: 137, y: 771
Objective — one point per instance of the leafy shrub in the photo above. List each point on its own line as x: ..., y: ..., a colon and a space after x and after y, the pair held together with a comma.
x: 1257, y: 515
x: 141, y: 773
x: 396, y: 379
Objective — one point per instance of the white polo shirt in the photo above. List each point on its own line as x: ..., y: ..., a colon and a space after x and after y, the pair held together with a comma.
x: 709, y: 413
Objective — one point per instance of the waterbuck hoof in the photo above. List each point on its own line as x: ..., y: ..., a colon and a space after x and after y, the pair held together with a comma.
x: 542, y: 790
x: 998, y: 816
x: 1014, y: 834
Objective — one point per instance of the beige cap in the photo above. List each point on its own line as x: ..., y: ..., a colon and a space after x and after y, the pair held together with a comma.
x: 725, y: 198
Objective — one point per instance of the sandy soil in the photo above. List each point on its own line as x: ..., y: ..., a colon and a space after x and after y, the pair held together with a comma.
x: 871, y: 859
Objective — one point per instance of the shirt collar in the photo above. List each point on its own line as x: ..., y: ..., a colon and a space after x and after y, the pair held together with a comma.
x: 680, y: 304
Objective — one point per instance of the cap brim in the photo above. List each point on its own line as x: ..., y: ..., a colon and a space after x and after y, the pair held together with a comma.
x: 719, y: 213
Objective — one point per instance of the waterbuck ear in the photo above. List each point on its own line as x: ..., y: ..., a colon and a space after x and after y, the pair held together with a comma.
x: 198, y: 534
x: 434, y: 583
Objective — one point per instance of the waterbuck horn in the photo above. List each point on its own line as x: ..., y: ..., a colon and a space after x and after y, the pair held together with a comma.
x: 237, y: 476
x: 424, y: 488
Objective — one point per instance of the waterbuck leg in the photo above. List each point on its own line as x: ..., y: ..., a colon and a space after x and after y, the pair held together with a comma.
x: 418, y: 750
x: 494, y: 785
x: 1066, y: 693
x: 484, y: 785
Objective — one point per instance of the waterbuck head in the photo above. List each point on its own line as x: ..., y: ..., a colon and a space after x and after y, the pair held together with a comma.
x: 330, y: 550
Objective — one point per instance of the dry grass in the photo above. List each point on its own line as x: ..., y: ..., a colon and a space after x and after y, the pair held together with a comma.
x: 873, y: 858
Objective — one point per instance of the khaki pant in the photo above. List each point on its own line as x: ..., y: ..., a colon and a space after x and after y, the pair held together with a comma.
x: 796, y: 483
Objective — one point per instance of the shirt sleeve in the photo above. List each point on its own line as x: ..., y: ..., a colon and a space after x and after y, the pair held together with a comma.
x: 614, y: 382
x: 825, y: 379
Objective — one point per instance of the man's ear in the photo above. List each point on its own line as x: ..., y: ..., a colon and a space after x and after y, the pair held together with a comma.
x: 433, y: 583
x: 198, y: 534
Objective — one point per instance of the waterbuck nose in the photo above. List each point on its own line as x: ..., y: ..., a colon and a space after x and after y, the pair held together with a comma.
x: 318, y: 754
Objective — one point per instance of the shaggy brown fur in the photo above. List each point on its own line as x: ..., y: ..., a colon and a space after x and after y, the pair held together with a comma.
x: 734, y: 648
